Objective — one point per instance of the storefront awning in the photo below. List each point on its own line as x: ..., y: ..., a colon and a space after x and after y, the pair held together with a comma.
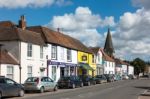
x: 85, y: 66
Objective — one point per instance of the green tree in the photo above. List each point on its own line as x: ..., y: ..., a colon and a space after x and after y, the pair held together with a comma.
x: 139, y: 65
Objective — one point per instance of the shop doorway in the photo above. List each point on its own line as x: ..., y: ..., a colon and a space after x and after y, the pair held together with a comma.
x: 62, y: 71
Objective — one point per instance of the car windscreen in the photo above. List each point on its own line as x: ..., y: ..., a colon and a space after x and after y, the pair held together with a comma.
x: 65, y: 78
x: 32, y: 79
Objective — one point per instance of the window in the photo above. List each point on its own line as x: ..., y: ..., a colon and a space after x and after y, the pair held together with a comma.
x: 54, y: 52
x: 41, y: 52
x: 29, y: 71
x: 93, y: 60
x: 54, y: 73
x: 69, y: 55
x: 84, y: 58
x: 29, y: 50
x: 62, y: 53
x: 10, y: 72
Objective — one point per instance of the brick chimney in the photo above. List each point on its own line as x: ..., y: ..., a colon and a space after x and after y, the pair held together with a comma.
x: 22, y: 22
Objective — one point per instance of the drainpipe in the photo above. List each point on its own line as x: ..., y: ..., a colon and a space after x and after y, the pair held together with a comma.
x: 20, y: 62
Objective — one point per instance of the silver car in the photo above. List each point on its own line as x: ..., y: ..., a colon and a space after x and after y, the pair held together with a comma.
x: 40, y: 84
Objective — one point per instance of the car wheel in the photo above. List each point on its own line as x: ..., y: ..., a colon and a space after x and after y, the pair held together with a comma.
x: 41, y: 89
x: 81, y: 84
x: 73, y: 86
x: 89, y: 84
x: 21, y: 93
x: 56, y: 88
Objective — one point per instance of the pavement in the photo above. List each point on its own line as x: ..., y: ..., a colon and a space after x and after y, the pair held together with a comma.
x: 145, y: 95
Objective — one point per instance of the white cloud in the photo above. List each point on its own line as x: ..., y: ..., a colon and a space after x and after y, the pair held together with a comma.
x: 32, y: 3
x: 83, y: 25
x: 131, y: 38
x: 142, y: 3
x: 64, y: 2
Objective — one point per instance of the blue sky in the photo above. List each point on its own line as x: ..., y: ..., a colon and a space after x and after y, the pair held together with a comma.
x: 42, y: 15
x: 88, y: 20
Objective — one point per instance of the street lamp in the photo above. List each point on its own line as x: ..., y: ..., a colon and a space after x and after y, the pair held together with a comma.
x: 0, y: 56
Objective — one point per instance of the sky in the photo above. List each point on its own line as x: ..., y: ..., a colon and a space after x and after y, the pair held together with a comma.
x: 88, y: 21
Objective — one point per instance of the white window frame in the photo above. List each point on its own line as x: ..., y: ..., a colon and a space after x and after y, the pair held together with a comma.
x: 41, y: 52
x: 29, y: 74
x: 54, y: 52
x: 10, y: 73
x: 69, y: 55
x: 29, y: 50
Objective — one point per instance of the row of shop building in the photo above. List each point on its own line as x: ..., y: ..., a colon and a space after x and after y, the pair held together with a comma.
x: 39, y: 51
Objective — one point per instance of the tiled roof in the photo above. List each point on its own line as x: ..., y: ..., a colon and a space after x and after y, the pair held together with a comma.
x: 5, y: 58
x: 94, y: 49
x: 54, y: 37
x: 106, y: 57
x: 14, y: 33
x: 119, y: 61
x: 7, y: 24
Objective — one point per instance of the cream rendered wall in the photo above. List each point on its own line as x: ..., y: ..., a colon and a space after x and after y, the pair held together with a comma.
x: 124, y: 69
x: 34, y: 61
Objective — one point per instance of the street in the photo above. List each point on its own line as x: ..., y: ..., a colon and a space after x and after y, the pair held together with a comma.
x: 128, y: 89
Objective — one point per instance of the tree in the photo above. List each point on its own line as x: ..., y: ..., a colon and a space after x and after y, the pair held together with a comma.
x: 139, y: 65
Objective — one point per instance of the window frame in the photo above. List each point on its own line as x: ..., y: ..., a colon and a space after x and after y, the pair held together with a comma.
x: 69, y: 55
x: 29, y: 73
x: 10, y: 74
x: 41, y: 52
x: 29, y: 50
x: 54, y: 52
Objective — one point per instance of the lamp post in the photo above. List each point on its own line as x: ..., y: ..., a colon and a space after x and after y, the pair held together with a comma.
x: 0, y: 56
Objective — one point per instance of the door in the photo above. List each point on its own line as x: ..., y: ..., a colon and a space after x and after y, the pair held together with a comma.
x: 51, y: 83
x: 62, y: 71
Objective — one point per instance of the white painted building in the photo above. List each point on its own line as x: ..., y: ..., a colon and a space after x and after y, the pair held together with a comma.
x: 61, y: 54
x: 99, y: 60
x: 26, y: 47
x: 108, y: 62
x: 130, y: 70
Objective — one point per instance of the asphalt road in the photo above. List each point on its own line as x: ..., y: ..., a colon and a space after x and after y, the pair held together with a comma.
x: 128, y: 89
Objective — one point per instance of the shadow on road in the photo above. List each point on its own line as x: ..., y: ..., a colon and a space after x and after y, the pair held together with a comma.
x: 142, y: 87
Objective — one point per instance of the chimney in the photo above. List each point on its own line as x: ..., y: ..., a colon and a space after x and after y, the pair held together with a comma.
x: 22, y: 22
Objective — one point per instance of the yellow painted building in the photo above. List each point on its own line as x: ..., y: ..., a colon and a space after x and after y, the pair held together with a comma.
x: 87, y: 65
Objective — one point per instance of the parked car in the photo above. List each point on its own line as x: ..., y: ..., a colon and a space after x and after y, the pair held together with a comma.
x: 117, y: 78
x: 109, y: 77
x: 125, y: 77
x: 40, y: 84
x: 9, y: 87
x: 88, y: 80
x: 100, y: 79
x: 70, y: 82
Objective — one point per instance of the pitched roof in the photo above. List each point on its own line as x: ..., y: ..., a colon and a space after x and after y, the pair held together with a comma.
x: 54, y: 37
x: 94, y: 49
x: 106, y: 57
x: 108, y: 48
x: 14, y: 33
x: 7, y: 24
x: 119, y: 61
x: 5, y: 58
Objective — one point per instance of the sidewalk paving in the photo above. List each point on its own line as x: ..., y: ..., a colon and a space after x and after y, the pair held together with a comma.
x: 145, y: 95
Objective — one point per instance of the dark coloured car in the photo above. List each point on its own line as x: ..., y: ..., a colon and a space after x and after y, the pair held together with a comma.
x: 70, y: 82
x: 100, y: 79
x: 88, y: 80
x: 109, y: 77
x: 8, y: 87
